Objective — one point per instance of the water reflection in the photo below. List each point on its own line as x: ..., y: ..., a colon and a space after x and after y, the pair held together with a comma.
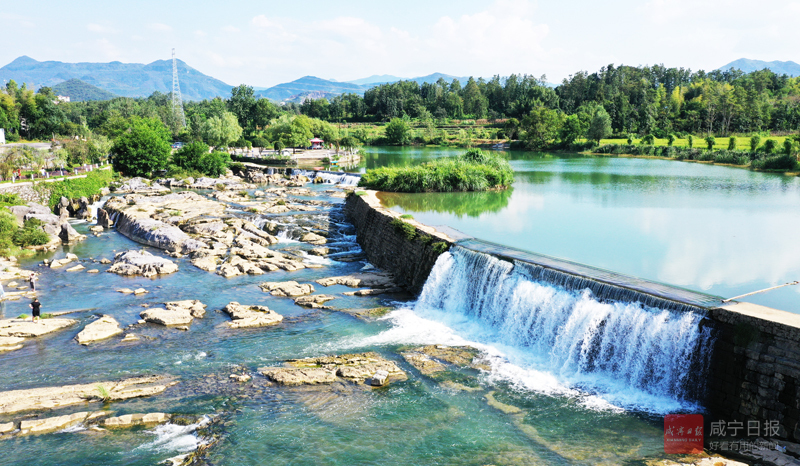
x: 721, y: 230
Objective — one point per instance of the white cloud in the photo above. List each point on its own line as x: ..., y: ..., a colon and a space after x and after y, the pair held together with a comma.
x: 200, y: 33
x: 231, y: 29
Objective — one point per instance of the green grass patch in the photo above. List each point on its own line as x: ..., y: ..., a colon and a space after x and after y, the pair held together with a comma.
x: 76, y: 187
x: 23, y: 316
x: 473, y: 171
x: 10, y: 199
x: 361, y: 193
x: 406, y: 216
x: 440, y: 247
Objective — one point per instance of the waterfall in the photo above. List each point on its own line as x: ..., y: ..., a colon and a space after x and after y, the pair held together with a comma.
x: 595, y: 345
x: 340, y: 178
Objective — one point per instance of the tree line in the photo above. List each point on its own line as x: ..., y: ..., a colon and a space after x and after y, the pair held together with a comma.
x: 616, y: 100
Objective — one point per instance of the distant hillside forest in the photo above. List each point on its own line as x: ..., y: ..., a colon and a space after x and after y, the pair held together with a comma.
x: 622, y: 101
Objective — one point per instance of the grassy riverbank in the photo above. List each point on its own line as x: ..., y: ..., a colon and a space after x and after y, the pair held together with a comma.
x: 741, y: 158
x: 472, y: 171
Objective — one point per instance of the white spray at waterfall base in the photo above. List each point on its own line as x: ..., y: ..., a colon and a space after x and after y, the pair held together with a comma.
x: 550, y: 340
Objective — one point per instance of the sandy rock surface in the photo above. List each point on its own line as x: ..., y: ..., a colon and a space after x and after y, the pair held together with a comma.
x: 101, y: 329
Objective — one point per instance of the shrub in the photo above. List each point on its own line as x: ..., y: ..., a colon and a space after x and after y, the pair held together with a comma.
x: 788, y: 147
x: 31, y: 234
x: 670, y: 140
x: 77, y: 187
x: 8, y: 225
x: 647, y: 140
x: 754, y: 142
x: 710, y: 141
x: 10, y: 199
x: 777, y: 162
x: 770, y: 145
x: 405, y: 229
x: 443, y: 175
x: 440, y: 247
x: 690, y: 140
x: 732, y: 143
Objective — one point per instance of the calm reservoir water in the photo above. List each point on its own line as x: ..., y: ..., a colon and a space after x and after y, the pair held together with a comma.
x: 719, y: 230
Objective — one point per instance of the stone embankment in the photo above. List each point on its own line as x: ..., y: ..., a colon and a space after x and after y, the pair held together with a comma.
x: 409, y: 252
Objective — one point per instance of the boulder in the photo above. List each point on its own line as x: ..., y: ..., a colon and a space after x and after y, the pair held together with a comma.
x: 240, y: 378
x: 130, y: 420
x: 194, y: 306
x: 69, y: 235
x: 130, y: 337
x: 141, y: 263
x: 313, y: 301
x: 76, y: 268
x: 357, y: 368
x: 313, y: 238
x: 287, y: 289
x: 167, y: 317
x: 244, y: 316
x: 102, y: 328
x: 103, y: 219
x: 229, y: 270
x: 379, y: 379
x: 7, y: 428
x: 319, y: 251
x: 207, y: 263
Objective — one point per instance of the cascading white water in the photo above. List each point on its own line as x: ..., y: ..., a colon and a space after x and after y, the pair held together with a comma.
x: 571, y: 334
x: 339, y: 178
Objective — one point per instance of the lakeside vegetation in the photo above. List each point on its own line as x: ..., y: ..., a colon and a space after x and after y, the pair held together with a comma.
x: 472, y: 171
x: 652, y: 104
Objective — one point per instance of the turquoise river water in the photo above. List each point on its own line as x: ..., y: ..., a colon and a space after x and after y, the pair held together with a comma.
x: 570, y: 380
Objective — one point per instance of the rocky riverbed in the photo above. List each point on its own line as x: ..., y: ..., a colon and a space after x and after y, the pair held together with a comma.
x: 214, y: 321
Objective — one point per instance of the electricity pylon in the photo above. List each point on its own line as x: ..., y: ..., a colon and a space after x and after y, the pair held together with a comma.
x: 177, y: 102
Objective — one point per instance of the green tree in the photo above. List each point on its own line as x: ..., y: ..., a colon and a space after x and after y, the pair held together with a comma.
x: 690, y: 140
x: 144, y: 149
x: 647, y: 140
x: 754, y: 143
x: 732, y: 143
x: 188, y: 157
x: 397, y: 131
x: 243, y: 104
x: 571, y: 129
x: 221, y: 131
x: 770, y: 145
x: 511, y: 128
x: 710, y: 141
x: 540, y: 127
x: 600, y: 125
x: 670, y: 139
x: 788, y: 146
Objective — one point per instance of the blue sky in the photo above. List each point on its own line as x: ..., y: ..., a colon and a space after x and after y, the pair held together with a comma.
x: 263, y: 43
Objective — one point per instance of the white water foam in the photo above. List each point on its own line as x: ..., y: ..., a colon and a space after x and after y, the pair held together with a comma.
x: 549, y: 340
x: 283, y: 237
x: 175, y: 438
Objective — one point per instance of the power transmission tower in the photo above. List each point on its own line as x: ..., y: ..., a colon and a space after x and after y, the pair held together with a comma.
x: 177, y: 102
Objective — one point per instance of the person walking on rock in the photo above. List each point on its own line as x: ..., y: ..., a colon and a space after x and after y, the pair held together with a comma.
x: 36, y: 306
x: 33, y: 279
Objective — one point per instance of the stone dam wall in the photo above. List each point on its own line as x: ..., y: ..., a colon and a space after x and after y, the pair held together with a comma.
x: 754, y: 368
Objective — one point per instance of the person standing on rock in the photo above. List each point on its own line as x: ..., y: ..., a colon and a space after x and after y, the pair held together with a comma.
x: 33, y: 279
x: 36, y: 306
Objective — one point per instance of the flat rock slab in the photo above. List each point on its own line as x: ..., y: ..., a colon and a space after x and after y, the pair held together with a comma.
x: 244, y: 316
x: 50, y: 424
x: 167, y: 317
x: 56, y: 397
x: 10, y: 343
x: 358, y: 280
x: 196, y: 308
x: 130, y: 420
x: 292, y: 376
x: 28, y: 329
x: 313, y: 301
x: 141, y: 263
x: 287, y: 289
x: 357, y: 368
x: 102, y: 328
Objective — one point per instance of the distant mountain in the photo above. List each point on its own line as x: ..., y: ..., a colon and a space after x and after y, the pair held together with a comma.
x: 124, y: 79
x: 432, y: 78
x: 778, y: 67
x: 307, y: 85
x: 78, y: 90
x: 375, y: 80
